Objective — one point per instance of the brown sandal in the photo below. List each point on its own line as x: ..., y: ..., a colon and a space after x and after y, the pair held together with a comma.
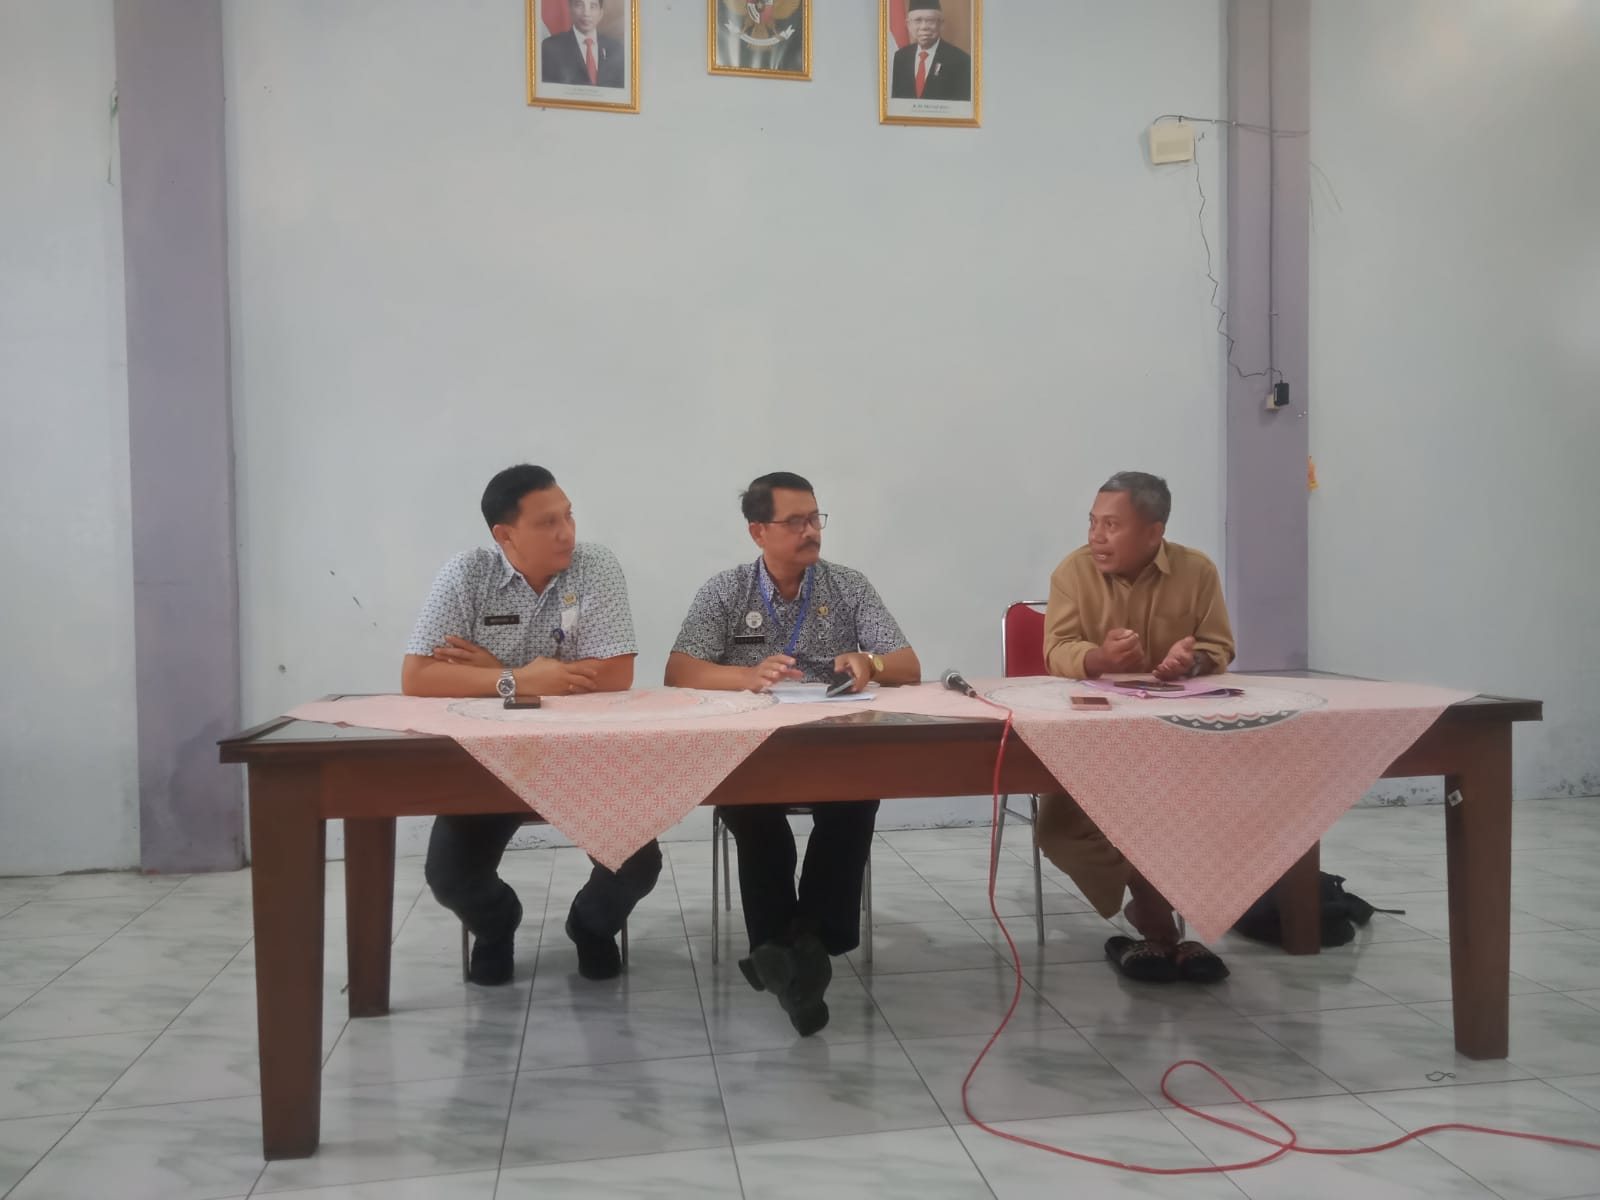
x: 1196, y: 964
x: 1140, y: 961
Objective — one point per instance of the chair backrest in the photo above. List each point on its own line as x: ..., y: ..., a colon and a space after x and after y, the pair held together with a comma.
x: 1022, y: 639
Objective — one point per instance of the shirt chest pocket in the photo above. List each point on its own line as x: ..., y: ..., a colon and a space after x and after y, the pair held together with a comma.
x: 504, y: 639
x: 1169, y: 625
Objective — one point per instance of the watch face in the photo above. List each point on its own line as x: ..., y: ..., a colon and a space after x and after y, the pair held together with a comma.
x: 506, y: 686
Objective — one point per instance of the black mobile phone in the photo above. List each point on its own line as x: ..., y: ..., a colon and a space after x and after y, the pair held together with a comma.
x: 522, y: 702
x: 839, y: 682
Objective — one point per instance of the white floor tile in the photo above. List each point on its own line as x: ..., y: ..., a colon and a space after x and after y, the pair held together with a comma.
x: 1410, y: 972
x: 654, y: 964
x: 437, y: 1043
x: 191, y: 1064
x: 34, y: 962
x: 472, y: 1185
x: 63, y: 1075
x: 741, y: 1019
x: 1516, y: 1170
x: 1257, y: 1066
x: 951, y: 945
x: 47, y: 918
x: 678, y: 1078
x: 25, y: 1141
x: 703, y: 1174
x: 170, y: 1152
x: 1568, y: 962
x: 393, y: 1132
x: 1146, y: 1138
x: 612, y: 1027
x: 950, y: 1003
x: 1093, y: 994
x: 812, y: 1090
x: 1551, y: 1034
x: 615, y: 1110
x: 1411, y: 1172
x: 1028, y: 1073
x: 1382, y: 1049
x: 911, y: 1164
x: 81, y: 1007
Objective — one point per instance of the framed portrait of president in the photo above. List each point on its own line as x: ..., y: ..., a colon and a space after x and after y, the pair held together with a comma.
x: 584, y: 54
x: 769, y: 39
x: 930, y: 62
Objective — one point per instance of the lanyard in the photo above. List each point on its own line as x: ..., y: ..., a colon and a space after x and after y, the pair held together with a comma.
x: 765, y: 587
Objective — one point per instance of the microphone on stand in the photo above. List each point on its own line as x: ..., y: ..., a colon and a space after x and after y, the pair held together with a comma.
x: 956, y: 682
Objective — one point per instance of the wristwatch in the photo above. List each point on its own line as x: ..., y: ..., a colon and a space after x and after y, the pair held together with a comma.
x: 877, y: 665
x: 506, y: 685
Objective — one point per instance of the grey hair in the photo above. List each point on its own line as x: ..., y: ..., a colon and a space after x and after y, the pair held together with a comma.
x: 1149, y: 494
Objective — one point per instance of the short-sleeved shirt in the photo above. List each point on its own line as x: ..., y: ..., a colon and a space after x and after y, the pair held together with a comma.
x: 478, y: 595
x: 729, y: 622
x: 1178, y: 595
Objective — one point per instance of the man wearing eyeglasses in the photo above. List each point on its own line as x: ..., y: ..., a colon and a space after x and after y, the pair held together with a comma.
x: 790, y: 616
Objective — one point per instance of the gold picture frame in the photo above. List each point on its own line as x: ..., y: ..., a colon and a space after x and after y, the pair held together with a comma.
x: 950, y: 90
x: 764, y: 39
x: 560, y: 58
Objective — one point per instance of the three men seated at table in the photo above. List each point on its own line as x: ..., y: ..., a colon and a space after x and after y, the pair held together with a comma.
x: 789, y: 615
x: 1131, y: 601
x: 542, y: 614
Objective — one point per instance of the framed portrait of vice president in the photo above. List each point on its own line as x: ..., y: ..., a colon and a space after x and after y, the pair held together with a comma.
x: 584, y: 54
x: 930, y: 62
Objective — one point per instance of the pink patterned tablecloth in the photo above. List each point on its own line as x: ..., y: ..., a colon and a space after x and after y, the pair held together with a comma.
x: 1212, y: 799
x: 610, y: 771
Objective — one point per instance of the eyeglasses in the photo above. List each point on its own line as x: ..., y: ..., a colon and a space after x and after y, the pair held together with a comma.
x: 798, y: 524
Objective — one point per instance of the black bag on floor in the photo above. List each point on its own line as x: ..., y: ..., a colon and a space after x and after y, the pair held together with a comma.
x: 1341, y: 913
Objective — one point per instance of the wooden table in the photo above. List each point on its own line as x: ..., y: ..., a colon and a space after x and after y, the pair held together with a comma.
x: 301, y: 776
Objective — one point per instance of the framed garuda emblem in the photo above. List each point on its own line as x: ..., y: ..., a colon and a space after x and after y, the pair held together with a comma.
x: 747, y: 37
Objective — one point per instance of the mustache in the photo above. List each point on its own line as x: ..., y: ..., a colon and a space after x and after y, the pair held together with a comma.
x: 810, y: 545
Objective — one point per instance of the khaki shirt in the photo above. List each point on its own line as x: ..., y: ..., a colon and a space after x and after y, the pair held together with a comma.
x: 1178, y: 595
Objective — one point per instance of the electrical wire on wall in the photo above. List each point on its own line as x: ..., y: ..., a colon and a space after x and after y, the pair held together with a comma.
x: 1271, y: 373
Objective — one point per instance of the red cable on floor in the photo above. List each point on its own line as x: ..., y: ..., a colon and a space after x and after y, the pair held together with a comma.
x: 1280, y: 1148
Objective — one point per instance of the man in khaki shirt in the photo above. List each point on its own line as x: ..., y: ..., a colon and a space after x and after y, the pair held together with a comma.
x: 1131, y: 602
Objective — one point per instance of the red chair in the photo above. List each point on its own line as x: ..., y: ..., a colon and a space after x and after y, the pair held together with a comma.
x: 1022, y: 653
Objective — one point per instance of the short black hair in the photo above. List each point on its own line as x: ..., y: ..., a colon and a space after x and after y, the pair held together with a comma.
x: 756, y: 500
x: 503, y: 497
x: 1149, y: 494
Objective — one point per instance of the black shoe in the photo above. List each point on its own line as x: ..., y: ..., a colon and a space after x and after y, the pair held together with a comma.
x: 598, y: 956
x: 493, y: 962
x: 798, y: 975
x: 747, y: 967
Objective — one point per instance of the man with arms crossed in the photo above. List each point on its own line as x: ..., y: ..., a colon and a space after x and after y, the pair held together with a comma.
x: 1131, y: 601
x: 540, y: 614
x: 787, y: 616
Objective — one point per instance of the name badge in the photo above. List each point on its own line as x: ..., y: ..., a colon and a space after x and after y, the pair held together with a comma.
x: 503, y: 619
x: 749, y: 639
x: 569, y: 618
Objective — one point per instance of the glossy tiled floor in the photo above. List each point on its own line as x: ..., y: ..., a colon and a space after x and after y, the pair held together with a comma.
x: 127, y: 1051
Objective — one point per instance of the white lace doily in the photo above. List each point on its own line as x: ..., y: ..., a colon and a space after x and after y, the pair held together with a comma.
x: 1258, y: 707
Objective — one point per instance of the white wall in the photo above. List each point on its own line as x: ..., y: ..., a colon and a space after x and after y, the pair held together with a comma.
x: 68, y: 765
x: 956, y: 334
x: 1455, y: 304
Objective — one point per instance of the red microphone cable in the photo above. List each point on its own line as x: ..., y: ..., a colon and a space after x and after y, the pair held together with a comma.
x: 1280, y: 1148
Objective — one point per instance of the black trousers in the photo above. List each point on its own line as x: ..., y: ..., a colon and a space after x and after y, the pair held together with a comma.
x: 828, y: 900
x: 463, y: 859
